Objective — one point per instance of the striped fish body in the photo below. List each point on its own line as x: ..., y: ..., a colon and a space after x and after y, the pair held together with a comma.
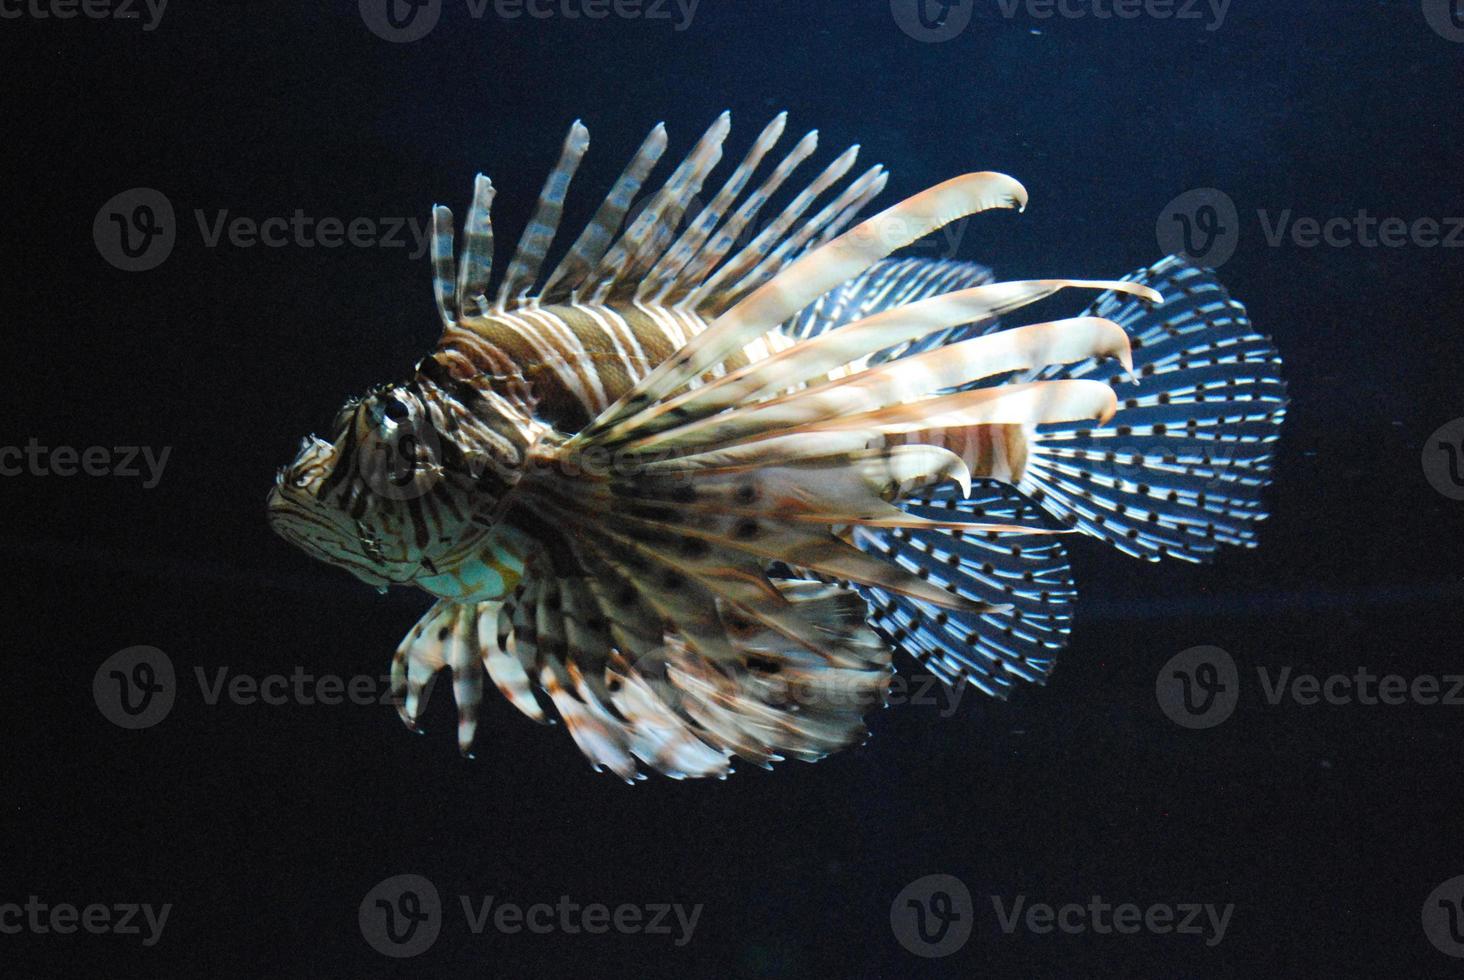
x: 693, y: 487
x: 572, y: 360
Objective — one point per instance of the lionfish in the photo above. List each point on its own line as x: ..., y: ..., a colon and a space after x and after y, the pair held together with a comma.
x: 693, y: 488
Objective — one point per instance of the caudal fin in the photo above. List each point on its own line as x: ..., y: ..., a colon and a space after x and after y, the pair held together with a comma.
x: 1180, y: 470
x: 1024, y: 580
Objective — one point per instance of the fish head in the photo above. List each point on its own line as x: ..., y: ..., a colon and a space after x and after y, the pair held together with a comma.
x: 409, y: 488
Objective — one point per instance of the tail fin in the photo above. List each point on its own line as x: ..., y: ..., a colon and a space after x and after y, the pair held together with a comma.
x: 1026, y: 575
x: 1181, y: 469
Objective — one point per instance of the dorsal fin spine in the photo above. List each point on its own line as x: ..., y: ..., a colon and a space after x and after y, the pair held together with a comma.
x: 476, y: 269
x: 739, y: 264
x: 713, y: 250
x: 538, y: 235
x: 612, y: 268
x: 571, y: 273
x: 665, y: 273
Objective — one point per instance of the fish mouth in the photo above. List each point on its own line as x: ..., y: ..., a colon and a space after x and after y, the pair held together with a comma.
x: 319, y: 538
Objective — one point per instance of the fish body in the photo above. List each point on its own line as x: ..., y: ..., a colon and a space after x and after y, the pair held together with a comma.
x: 691, y: 488
x: 571, y: 360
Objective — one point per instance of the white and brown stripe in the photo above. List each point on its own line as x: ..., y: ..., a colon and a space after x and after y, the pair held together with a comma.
x: 577, y: 359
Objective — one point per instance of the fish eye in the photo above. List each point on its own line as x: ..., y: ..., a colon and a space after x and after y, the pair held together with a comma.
x: 395, y: 410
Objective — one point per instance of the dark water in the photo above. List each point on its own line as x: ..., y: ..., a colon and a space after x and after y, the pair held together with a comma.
x: 1324, y: 828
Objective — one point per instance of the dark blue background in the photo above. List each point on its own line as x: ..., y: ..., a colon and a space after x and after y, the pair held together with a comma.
x: 265, y: 826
